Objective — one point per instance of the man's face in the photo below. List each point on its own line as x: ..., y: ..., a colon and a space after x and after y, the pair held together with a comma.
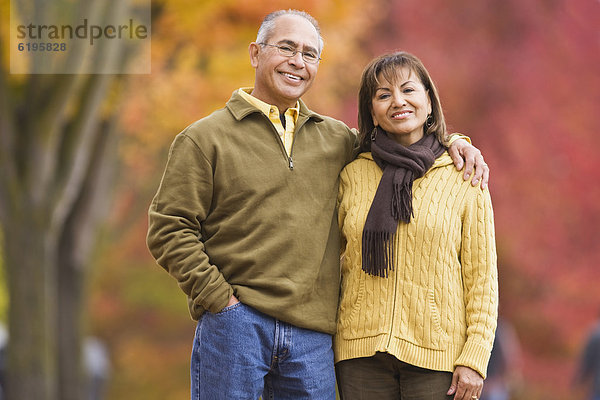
x: 282, y: 80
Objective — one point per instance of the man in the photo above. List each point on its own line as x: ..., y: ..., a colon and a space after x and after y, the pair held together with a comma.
x: 245, y: 221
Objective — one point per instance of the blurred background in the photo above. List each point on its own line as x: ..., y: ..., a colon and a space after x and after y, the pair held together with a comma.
x: 81, y: 157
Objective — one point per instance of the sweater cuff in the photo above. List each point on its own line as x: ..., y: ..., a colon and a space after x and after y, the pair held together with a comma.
x: 217, y: 299
x: 475, y: 356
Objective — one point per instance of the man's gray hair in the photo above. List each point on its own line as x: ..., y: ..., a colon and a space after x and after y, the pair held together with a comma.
x: 268, y: 24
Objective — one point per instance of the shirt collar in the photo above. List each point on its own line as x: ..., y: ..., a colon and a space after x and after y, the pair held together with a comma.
x: 265, y: 107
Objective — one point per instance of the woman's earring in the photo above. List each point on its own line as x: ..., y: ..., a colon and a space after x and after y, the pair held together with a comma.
x: 373, y: 134
x: 429, y: 121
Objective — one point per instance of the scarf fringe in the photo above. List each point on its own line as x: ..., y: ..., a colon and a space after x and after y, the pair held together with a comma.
x: 378, y: 253
x: 402, y: 209
x: 393, y: 199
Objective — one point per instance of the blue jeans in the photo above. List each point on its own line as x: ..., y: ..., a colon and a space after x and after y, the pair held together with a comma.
x: 241, y: 353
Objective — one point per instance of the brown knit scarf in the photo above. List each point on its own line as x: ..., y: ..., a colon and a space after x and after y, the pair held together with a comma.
x: 393, y: 200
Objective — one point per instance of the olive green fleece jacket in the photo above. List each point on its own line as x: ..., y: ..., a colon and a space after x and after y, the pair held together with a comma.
x: 438, y: 307
x: 235, y: 215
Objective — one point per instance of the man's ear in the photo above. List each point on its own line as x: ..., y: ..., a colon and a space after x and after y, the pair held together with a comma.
x: 254, y: 49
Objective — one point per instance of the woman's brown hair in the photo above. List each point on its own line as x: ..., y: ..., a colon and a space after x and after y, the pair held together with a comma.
x: 388, y: 66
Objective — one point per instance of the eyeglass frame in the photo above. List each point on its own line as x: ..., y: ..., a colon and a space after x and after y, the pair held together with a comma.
x: 284, y: 50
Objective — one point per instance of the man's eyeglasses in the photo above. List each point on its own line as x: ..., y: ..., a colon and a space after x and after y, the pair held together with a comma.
x: 308, y: 56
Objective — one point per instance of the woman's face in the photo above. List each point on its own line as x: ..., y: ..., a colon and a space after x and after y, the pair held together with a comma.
x: 401, y: 108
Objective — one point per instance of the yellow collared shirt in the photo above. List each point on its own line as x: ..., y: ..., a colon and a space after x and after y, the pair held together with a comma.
x: 272, y: 112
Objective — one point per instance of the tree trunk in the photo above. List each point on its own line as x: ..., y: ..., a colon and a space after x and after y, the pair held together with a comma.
x: 47, y: 270
x: 71, y: 374
x: 76, y: 244
x: 33, y: 311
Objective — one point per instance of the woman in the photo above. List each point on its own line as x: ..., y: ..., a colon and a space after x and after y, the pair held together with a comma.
x: 419, y: 295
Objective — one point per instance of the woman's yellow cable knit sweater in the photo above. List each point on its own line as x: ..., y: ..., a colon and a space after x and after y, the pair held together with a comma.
x: 438, y: 307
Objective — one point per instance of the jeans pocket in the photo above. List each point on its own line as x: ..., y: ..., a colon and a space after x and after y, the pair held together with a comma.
x: 229, y: 308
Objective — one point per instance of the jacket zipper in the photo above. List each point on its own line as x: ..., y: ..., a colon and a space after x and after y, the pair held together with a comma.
x: 297, y: 131
x: 289, y: 158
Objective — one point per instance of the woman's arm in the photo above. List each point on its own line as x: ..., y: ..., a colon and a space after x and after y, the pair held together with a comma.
x: 480, y: 278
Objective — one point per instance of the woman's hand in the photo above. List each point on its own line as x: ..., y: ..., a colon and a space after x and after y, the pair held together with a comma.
x: 465, y: 154
x: 467, y: 384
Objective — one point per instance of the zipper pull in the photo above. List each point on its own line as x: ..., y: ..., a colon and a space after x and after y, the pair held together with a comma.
x: 291, y: 163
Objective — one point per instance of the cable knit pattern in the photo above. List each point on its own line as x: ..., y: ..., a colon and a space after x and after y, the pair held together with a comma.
x: 438, y: 307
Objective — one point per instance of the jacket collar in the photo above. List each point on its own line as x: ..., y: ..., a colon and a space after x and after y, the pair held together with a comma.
x: 240, y: 109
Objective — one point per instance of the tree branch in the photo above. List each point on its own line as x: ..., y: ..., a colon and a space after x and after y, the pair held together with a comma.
x: 78, y: 145
x: 9, y: 183
x: 92, y: 203
x: 49, y: 98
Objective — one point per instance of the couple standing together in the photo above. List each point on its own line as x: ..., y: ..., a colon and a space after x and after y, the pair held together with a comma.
x: 258, y: 198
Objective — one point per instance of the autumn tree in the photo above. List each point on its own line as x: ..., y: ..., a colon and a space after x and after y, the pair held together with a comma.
x: 57, y: 159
